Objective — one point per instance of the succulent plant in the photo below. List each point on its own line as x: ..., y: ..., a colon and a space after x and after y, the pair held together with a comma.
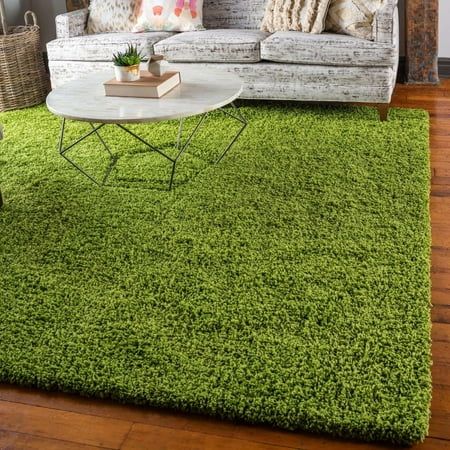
x: 130, y: 57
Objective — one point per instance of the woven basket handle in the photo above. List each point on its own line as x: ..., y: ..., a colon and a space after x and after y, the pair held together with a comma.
x: 3, y: 17
x: 27, y: 17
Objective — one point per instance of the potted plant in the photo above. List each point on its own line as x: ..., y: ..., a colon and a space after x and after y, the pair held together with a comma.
x: 126, y: 64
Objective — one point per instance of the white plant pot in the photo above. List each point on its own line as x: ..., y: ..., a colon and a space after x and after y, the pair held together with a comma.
x: 127, y: 73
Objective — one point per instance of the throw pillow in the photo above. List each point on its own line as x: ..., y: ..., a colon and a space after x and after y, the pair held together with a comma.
x: 169, y: 15
x: 353, y: 17
x: 307, y: 16
x: 108, y: 16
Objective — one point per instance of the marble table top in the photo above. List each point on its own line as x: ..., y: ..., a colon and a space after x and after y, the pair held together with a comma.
x: 200, y: 91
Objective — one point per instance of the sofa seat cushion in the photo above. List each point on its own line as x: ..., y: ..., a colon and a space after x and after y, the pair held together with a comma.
x: 230, y: 45
x: 326, y: 49
x: 100, y: 47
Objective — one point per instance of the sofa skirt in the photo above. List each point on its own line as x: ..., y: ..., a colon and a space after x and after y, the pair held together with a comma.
x: 275, y: 81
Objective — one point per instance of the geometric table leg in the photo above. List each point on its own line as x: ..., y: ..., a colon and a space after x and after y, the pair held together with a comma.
x: 240, y: 118
x: 63, y: 150
x: 179, y: 146
x: 147, y: 144
x: 183, y: 147
x: 237, y: 115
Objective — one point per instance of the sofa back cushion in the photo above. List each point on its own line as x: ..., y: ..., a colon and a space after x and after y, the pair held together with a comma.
x: 246, y: 14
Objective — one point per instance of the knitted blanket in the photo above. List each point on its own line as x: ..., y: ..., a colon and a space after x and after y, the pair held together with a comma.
x: 308, y: 16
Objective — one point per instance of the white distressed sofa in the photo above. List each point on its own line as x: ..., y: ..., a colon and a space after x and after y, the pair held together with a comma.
x: 285, y: 65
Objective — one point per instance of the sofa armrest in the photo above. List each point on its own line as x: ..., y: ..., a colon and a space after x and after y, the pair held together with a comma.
x: 71, y: 24
x: 385, y: 22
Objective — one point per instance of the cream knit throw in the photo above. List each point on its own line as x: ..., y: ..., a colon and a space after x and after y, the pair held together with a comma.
x: 298, y: 15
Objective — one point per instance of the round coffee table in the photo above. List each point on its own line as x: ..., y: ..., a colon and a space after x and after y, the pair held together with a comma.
x: 200, y: 92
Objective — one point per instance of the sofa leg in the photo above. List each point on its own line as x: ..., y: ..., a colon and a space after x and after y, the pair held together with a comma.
x: 383, y: 111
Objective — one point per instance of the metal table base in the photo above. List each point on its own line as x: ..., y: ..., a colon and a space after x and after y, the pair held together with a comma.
x: 179, y: 146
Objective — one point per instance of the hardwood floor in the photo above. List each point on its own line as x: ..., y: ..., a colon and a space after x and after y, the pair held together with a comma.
x: 33, y: 419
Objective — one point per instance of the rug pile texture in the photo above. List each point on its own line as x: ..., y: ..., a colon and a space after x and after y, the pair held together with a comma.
x: 288, y: 285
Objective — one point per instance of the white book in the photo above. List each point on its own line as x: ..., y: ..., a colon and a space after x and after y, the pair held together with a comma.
x: 148, y: 86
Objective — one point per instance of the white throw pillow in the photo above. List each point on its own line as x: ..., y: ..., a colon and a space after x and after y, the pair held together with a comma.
x: 169, y: 15
x: 353, y: 17
x: 108, y: 16
x: 307, y: 16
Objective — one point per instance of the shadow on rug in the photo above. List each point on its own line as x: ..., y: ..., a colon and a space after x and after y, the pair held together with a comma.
x: 288, y: 285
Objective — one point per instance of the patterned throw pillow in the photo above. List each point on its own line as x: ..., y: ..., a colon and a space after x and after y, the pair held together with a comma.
x: 307, y: 16
x: 108, y: 16
x: 353, y: 17
x: 169, y: 15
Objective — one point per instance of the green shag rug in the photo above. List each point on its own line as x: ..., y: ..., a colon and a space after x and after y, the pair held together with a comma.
x: 288, y: 285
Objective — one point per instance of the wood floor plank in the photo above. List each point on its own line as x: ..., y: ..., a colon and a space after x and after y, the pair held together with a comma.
x: 440, y: 152
x: 440, y: 147
x: 439, y: 426
x: 441, y: 332
x: 441, y: 314
x: 19, y: 441
x: 441, y: 235
x: 247, y: 438
x: 305, y: 441
x: 440, y: 181
x: 441, y: 364
x: 93, y: 407
x: 440, y: 191
x: 63, y: 425
x: 148, y: 436
x: 441, y: 399
x: 440, y: 205
x: 440, y: 279
x: 440, y: 259
x: 441, y: 169
x: 440, y: 210
x: 441, y: 352
x: 433, y: 108
x: 440, y: 296
x: 440, y: 374
x: 191, y: 422
x: 440, y: 127
x: 195, y: 423
x: 432, y: 444
x: 440, y: 100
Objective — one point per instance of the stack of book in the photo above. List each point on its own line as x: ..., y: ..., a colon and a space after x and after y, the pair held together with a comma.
x: 148, y: 86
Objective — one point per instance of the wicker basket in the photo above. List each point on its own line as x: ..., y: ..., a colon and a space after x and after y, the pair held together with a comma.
x: 23, y: 79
